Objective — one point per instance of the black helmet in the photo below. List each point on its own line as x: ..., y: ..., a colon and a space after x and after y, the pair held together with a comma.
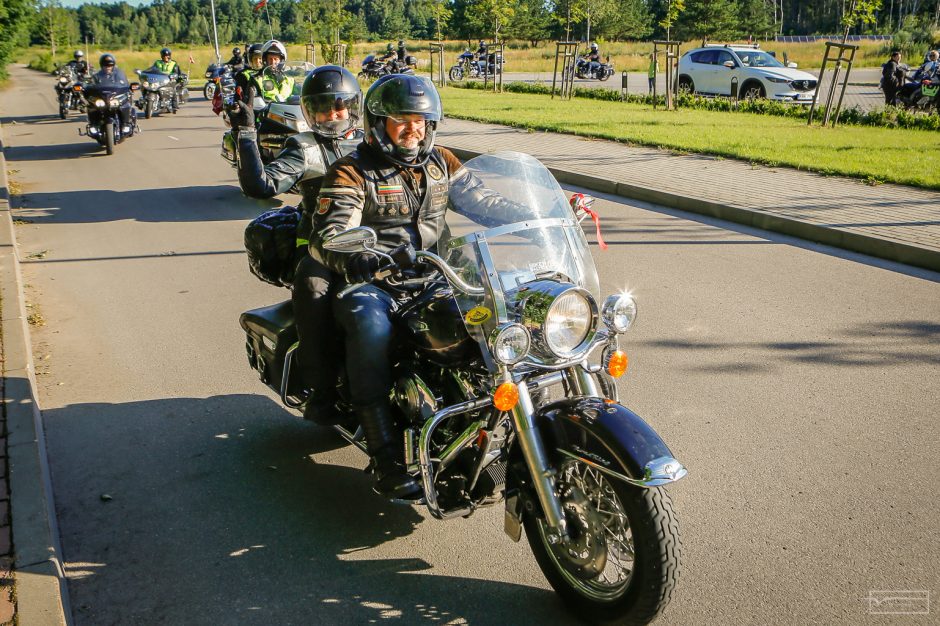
x: 165, y: 52
x: 106, y: 60
x: 389, y: 47
x: 400, y: 43
x: 78, y: 55
x: 400, y: 94
x: 236, y: 52
x: 331, y: 87
x: 482, y: 43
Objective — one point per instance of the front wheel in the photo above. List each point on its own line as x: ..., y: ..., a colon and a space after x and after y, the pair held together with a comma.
x: 63, y: 111
x: 753, y: 91
x: 208, y: 91
x: 686, y: 85
x: 605, y: 74
x: 109, y: 138
x: 620, y: 563
x: 456, y: 74
x: 148, y: 108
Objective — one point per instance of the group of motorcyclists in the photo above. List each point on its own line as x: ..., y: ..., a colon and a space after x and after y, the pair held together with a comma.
x: 899, y: 88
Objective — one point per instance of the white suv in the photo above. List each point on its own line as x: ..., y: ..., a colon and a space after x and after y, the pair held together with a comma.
x: 710, y: 70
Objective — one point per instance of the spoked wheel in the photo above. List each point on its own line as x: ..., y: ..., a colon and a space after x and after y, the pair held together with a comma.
x: 753, y: 91
x: 456, y: 74
x: 620, y: 563
x: 208, y: 91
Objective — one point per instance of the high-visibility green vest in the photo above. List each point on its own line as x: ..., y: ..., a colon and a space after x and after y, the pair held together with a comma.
x: 166, y: 67
x: 273, y: 87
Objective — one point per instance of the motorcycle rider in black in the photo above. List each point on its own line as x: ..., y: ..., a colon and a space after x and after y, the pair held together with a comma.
x: 396, y: 182
x: 237, y: 62
x: 79, y: 64
x: 593, y: 58
x: 111, y: 75
x: 482, y: 57
x: 331, y: 100
x: 402, y: 52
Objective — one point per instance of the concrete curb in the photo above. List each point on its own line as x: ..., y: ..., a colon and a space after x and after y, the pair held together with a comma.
x: 855, y: 242
x: 41, y: 592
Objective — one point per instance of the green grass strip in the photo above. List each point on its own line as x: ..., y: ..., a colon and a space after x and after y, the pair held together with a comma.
x: 908, y: 157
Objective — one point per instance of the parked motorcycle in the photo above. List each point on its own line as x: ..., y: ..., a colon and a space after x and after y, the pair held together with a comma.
x: 103, y: 107
x: 921, y: 93
x: 601, y: 71
x: 373, y: 67
x: 161, y: 92
x: 70, y: 98
x: 218, y: 76
x: 509, y: 312
x: 468, y: 66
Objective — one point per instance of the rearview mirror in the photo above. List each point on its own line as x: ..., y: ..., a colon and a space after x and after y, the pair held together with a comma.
x: 729, y: 64
x: 358, y: 239
x: 137, y: 72
x: 791, y: 64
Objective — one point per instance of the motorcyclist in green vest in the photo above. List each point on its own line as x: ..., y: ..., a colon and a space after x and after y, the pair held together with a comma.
x: 166, y: 65
x: 244, y: 78
x: 271, y: 83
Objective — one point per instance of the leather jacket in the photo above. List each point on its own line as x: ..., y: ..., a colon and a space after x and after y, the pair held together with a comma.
x: 303, y: 162
x: 403, y: 205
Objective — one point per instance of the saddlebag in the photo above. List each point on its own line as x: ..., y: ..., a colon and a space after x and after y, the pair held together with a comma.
x: 271, y: 332
x: 271, y: 244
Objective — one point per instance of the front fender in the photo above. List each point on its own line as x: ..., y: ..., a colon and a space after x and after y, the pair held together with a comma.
x: 609, y: 437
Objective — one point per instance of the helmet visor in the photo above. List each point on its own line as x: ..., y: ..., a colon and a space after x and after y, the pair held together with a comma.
x: 399, y: 96
x: 333, y: 114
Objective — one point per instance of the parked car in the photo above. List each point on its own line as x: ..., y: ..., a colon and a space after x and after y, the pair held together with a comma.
x: 710, y: 70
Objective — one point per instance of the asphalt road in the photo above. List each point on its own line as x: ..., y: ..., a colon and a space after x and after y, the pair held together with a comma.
x: 798, y: 384
x: 862, y: 90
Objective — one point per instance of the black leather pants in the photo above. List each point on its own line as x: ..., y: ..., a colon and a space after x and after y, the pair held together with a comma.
x: 319, y: 351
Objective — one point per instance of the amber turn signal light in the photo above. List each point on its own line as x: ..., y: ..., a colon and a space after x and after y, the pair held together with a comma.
x: 617, y: 364
x: 506, y: 396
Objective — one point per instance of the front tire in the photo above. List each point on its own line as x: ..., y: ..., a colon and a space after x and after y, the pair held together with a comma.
x: 686, y: 84
x: 625, y: 542
x: 456, y: 74
x: 63, y: 111
x: 753, y: 91
x: 148, y: 108
x: 109, y: 138
x: 208, y: 91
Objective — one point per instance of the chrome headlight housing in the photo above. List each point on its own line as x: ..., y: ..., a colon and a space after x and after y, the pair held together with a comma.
x: 63, y: 80
x: 99, y: 103
x: 115, y: 102
x: 561, y: 318
x: 619, y: 312
x: 510, y: 343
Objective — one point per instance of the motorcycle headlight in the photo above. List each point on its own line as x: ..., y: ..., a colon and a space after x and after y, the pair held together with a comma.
x: 619, y: 312
x: 569, y: 321
x: 63, y: 79
x: 208, y: 74
x: 510, y: 343
x: 99, y: 103
x: 114, y: 102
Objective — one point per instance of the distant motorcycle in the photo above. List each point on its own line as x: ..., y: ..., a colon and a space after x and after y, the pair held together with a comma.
x: 68, y: 89
x: 374, y: 67
x: 103, y: 107
x: 468, y: 66
x: 161, y: 92
x: 218, y: 76
x: 600, y: 71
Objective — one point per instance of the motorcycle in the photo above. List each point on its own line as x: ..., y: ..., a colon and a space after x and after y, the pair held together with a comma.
x: 507, y: 313
x: 601, y: 71
x: 161, y: 92
x: 468, y: 67
x: 373, y: 67
x: 921, y: 93
x: 103, y: 107
x: 68, y: 89
x: 218, y: 76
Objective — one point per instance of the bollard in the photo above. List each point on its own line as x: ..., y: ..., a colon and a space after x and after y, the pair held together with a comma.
x: 734, y: 88
x: 623, y: 85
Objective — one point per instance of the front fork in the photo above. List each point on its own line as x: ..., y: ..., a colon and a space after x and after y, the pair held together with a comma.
x: 533, y: 449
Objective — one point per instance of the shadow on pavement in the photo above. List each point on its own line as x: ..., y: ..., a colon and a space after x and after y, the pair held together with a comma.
x: 53, y: 152
x: 174, y: 204
x: 228, y: 510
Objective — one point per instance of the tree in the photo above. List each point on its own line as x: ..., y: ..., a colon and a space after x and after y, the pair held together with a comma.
x: 674, y: 8
x: 707, y: 19
x: 15, y: 19
x: 492, y: 16
x: 532, y: 21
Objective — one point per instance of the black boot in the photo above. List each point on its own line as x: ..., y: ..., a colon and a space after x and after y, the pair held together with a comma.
x: 391, y: 479
x: 322, y: 410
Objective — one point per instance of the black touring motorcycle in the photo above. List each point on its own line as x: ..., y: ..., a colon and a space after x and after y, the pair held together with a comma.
x: 103, y: 107
x: 506, y: 316
x: 68, y: 88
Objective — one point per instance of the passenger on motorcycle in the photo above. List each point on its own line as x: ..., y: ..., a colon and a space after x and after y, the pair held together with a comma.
x: 244, y: 78
x: 79, y: 64
x: 397, y: 182
x: 402, y: 52
x: 111, y: 75
x: 271, y: 83
x: 331, y: 100
x: 166, y: 65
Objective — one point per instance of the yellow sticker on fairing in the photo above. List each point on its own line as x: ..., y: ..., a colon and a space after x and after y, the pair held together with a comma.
x: 477, y: 315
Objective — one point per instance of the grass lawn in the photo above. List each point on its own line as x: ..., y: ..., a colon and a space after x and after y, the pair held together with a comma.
x: 910, y: 157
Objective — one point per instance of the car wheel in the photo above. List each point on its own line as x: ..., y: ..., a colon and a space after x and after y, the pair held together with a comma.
x: 686, y: 85
x: 753, y: 91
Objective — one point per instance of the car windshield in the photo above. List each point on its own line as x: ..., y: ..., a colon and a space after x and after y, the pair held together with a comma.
x: 758, y: 58
x: 510, y: 224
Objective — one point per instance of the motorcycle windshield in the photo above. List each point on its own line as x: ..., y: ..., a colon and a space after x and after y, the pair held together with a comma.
x: 509, y: 224
x: 154, y: 77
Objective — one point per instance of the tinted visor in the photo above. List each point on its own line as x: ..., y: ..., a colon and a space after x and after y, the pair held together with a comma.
x: 322, y: 103
x: 401, y: 95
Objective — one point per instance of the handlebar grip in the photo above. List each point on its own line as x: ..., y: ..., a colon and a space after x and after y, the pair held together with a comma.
x: 380, y: 274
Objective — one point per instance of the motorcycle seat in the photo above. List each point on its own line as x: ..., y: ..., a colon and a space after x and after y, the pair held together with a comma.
x: 270, y: 321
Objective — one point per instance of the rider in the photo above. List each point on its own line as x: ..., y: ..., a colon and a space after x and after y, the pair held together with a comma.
x: 331, y: 100
x: 482, y: 56
x: 402, y: 52
x: 397, y: 182
x: 79, y: 64
x: 593, y: 57
x: 245, y: 76
x: 271, y: 83
x: 111, y: 75
x: 167, y: 65
x: 237, y: 62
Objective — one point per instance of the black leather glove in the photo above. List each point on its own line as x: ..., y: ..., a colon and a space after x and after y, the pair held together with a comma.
x: 361, y: 267
x: 241, y: 115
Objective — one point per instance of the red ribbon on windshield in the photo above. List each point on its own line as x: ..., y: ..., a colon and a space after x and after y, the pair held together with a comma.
x: 577, y: 202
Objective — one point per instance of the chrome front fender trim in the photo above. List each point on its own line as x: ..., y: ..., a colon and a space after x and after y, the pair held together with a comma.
x: 657, y: 472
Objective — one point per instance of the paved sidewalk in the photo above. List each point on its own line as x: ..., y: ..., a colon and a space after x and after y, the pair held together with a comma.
x: 893, y: 222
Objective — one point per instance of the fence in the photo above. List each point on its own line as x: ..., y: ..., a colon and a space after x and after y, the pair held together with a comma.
x: 815, y: 38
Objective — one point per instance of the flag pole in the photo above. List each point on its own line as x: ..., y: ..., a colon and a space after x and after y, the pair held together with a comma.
x: 215, y: 31
x: 270, y: 28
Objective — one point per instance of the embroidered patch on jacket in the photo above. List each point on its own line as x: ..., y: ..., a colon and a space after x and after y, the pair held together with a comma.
x: 388, y: 189
x: 324, y: 206
x: 435, y: 172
